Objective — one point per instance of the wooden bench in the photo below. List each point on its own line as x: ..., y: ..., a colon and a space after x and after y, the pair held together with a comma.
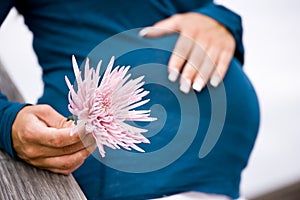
x: 19, y: 180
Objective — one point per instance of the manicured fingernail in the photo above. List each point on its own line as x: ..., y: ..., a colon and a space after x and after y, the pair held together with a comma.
x: 173, y: 75
x: 215, y: 80
x: 144, y: 31
x: 185, y: 86
x: 198, y: 84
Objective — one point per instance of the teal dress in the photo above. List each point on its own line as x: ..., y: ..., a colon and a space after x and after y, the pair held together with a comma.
x: 200, y: 142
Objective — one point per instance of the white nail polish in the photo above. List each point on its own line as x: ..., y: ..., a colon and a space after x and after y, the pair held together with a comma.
x: 198, y: 84
x: 185, y: 86
x: 215, y: 80
x: 173, y: 75
x: 144, y: 32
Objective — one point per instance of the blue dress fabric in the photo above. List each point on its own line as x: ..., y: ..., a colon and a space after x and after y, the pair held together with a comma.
x: 83, y: 28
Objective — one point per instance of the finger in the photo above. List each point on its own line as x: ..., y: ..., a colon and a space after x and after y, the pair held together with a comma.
x: 84, y: 141
x: 179, y: 55
x: 198, y: 83
x: 37, y: 151
x: 205, y: 71
x: 50, y: 116
x: 152, y: 32
x: 51, y: 128
x: 209, y: 63
x: 64, y: 171
x: 34, y: 128
x: 64, y: 163
x: 79, y: 130
x: 164, y: 27
x: 88, y: 141
x: 191, y: 67
x: 53, y: 119
x: 221, y: 68
x: 38, y: 133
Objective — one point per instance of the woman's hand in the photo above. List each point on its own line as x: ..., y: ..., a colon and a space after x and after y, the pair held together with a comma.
x: 41, y: 137
x: 202, y: 52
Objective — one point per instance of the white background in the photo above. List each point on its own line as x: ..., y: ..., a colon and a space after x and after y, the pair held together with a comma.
x: 272, y: 39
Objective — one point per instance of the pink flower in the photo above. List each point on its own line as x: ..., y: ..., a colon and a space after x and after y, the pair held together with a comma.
x: 103, y: 109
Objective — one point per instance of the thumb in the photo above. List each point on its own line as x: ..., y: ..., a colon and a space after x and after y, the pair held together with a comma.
x: 164, y: 27
x: 51, y: 117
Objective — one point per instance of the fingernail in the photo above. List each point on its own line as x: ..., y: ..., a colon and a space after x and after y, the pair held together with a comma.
x: 173, y: 74
x: 215, y: 80
x: 185, y: 86
x: 144, y: 32
x: 198, y: 84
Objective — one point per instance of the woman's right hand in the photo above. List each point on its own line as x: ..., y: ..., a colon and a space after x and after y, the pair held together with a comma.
x: 41, y: 137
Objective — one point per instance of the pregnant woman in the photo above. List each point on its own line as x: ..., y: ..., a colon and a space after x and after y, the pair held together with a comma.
x: 191, y: 55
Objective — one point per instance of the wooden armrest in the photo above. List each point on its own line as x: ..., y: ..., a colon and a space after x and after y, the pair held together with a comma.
x: 19, y: 180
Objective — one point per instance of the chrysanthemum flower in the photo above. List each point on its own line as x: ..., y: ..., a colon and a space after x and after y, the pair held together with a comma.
x: 103, y: 109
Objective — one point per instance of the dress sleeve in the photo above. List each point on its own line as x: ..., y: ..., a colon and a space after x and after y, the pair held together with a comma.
x: 8, y: 112
x: 230, y: 20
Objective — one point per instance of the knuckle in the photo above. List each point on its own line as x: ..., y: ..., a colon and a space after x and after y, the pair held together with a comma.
x: 34, y: 162
x: 79, y: 136
x: 177, y: 21
x: 67, y: 149
x: 71, y: 170
x: 70, y: 149
x: 28, y: 135
x: 190, y: 69
x: 176, y: 17
x: 181, y: 50
x: 186, y: 75
x: 45, y: 107
x: 67, y: 164
x: 30, y: 152
x: 229, y: 44
x: 85, y: 153
x: 71, y: 163
x: 56, y: 142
